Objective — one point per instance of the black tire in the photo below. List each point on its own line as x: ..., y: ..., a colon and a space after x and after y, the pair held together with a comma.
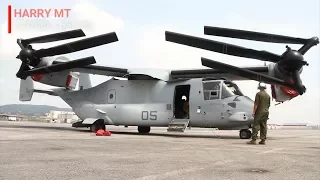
x: 144, y: 129
x: 103, y: 126
x: 245, y: 134
x: 93, y: 128
x: 99, y: 124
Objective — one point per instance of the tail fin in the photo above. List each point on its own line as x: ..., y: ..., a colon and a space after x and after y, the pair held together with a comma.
x: 26, y: 89
x: 84, y: 81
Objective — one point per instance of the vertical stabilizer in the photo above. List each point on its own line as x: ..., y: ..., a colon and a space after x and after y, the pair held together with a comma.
x: 84, y: 81
x: 26, y: 89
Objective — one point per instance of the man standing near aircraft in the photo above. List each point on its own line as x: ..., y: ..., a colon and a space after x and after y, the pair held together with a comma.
x: 260, y: 114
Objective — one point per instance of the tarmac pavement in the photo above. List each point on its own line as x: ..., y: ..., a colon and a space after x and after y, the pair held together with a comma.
x: 38, y: 151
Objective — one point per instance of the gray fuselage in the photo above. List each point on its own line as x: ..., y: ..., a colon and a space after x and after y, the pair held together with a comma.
x: 155, y: 103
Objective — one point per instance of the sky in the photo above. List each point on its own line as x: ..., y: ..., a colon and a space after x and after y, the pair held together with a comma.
x: 140, y: 27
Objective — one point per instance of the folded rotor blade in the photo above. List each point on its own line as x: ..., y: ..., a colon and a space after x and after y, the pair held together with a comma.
x: 221, y: 47
x: 77, y: 45
x: 54, y: 37
x: 251, y: 35
x: 61, y: 66
x: 308, y: 45
x: 244, y: 73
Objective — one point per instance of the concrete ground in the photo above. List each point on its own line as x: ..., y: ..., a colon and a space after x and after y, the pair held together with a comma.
x: 57, y: 151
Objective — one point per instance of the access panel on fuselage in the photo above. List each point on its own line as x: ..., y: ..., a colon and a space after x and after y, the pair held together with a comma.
x: 212, y: 107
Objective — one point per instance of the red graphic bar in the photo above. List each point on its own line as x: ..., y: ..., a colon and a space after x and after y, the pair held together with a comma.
x: 9, y: 19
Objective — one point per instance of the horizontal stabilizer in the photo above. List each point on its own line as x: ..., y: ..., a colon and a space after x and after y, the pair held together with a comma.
x: 49, y: 92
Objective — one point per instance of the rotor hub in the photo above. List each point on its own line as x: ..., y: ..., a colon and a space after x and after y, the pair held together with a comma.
x: 27, y: 57
x: 292, y: 60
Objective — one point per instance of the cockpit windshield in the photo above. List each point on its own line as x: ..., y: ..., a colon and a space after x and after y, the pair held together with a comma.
x: 220, y: 89
x: 230, y: 89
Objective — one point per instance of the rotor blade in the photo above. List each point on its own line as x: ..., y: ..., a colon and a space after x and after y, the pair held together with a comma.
x: 54, y: 37
x: 77, y: 45
x: 244, y: 73
x: 251, y: 35
x: 221, y: 47
x: 61, y: 66
x: 307, y: 46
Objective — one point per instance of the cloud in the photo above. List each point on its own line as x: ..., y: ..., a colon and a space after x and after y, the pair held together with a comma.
x: 85, y: 15
x: 101, y: 21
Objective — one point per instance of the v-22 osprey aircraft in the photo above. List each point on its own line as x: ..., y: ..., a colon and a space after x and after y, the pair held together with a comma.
x: 164, y: 98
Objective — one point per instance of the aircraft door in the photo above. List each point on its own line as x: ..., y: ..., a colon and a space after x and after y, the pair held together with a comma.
x: 212, y: 106
x: 181, y: 102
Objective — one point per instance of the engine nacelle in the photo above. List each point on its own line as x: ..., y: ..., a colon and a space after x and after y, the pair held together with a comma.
x: 65, y: 79
x: 48, y: 61
x: 280, y: 93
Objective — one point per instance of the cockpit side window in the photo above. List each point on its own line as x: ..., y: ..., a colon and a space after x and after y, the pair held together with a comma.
x: 232, y: 88
x: 226, y: 91
x: 211, y: 90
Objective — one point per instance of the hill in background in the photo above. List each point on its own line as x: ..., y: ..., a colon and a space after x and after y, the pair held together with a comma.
x: 29, y: 109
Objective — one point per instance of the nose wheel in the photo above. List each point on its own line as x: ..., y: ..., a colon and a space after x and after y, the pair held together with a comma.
x: 245, y: 134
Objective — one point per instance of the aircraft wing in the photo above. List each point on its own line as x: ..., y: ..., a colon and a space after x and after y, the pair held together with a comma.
x: 102, y: 70
x: 163, y: 75
x: 213, y: 73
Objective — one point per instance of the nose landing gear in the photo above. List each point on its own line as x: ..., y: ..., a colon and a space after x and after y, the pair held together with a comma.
x: 245, y: 134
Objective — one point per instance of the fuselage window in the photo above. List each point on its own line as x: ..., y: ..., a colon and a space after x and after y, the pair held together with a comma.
x: 211, y: 90
x: 111, y: 96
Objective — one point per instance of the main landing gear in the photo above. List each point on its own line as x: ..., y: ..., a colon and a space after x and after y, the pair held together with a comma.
x: 143, y: 129
x: 245, y: 134
x: 99, y: 124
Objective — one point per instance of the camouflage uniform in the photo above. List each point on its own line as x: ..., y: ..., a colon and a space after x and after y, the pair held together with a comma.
x: 186, y: 109
x: 261, y: 116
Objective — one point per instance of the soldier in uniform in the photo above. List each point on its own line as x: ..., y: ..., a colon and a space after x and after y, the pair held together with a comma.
x: 260, y: 114
x: 185, y: 107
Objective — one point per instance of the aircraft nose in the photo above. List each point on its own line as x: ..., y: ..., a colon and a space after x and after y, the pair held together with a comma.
x: 240, y: 116
x: 243, y: 107
x: 245, y: 102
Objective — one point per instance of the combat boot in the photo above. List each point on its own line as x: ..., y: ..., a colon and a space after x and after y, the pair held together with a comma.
x: 253, y: 141
x: 263, y: 142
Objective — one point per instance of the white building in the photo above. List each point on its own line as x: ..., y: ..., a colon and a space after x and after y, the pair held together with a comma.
x: 62, y: 116
x: 10, y: 117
